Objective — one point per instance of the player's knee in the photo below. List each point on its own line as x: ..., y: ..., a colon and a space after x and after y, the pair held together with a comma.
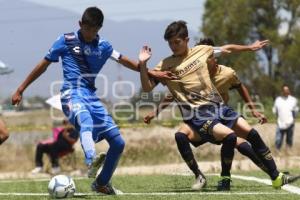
x: 118, y: 144
x: 252, y: 135
x: 181, y: 137
x: 230, y: 139
x: 239, y: 141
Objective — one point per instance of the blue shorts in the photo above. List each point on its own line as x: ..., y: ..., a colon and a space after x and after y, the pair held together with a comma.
x: 76, y: 101
x: 205, y: 117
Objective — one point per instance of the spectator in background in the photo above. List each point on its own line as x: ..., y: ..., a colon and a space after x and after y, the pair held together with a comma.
x: 285, y: 107
x: 61, y: 144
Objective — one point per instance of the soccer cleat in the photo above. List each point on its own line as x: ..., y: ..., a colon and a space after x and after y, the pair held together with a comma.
x: 224, y: 183
x: 96, y: 164
x: 200, y: 183
x: 283, y: 179
x: 105, y: 190
x: 37, y: 170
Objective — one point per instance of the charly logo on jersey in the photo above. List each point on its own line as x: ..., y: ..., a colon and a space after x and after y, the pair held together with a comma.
x: 76, y: 49
x: 89, y: 52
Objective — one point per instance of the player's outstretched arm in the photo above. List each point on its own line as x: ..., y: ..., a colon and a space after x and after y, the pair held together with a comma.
x: 128, y: 63
x: 147, y: 83
x: 133, y: 65
x: 244, y: 93
x: 40, y: 68
x: 237, y: 48
x: 162, y: 105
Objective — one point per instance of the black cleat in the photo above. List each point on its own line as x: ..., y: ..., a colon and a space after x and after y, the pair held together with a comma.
x: 224, y: 184
x: 105, y: 190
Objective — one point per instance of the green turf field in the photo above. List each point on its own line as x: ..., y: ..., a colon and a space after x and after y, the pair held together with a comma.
x: 151, y: 187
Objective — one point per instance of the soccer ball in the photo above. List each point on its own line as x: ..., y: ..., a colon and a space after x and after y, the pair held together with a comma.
x: 61, y: 186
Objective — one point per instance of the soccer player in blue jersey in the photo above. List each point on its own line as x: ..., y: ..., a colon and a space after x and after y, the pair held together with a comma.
x: 83, y: 54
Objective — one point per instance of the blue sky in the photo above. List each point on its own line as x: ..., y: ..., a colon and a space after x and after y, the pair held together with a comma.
x: 21, y: 19
x: 120, y: 10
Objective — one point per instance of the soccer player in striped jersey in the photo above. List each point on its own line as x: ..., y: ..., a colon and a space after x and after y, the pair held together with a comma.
x: 224, y: 79
x: 201, y: 106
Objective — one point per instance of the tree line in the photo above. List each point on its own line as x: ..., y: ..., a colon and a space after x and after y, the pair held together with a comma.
x: 243, y: 22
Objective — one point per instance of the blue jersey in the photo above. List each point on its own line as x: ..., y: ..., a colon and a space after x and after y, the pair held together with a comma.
x: 81, y: 61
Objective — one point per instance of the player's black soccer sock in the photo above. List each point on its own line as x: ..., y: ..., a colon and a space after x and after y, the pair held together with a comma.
x: 246, y: 149
x: 263, y: 152
x: 227, y: 153
x: 183, y: 144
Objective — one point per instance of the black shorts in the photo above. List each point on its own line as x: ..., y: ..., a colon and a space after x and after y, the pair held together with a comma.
x: 206, y: 117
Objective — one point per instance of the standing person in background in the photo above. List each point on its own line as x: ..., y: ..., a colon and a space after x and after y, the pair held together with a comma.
x: 285, y: 107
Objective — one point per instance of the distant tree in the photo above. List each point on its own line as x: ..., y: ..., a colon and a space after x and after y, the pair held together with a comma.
x: 244, y: 21
x: 288, y: 68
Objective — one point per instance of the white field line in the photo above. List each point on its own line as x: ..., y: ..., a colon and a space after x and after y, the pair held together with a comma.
x: 289, y: 188
x: 35, y: 180
x: 154, y: 194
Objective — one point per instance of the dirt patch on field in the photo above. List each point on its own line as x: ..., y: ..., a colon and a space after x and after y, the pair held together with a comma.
x: 151, y: 148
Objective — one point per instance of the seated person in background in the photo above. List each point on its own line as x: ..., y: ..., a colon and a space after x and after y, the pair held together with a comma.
x: 61, y: 144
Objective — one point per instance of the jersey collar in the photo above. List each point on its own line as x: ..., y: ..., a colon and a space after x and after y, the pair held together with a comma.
x: 95, y: 42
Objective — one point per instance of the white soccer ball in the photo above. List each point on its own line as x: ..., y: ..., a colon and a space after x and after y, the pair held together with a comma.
x: 61, y: 186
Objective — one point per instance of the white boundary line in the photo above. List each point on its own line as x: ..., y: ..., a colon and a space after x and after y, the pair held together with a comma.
x: 154, y: 194
x: 35, y: 180
x: 288, y: 188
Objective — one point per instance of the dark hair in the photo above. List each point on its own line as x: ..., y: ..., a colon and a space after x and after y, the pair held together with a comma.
x: 93, y: 17
x: 206, y: 41
x: 177, y: 28
x: 284, y: 85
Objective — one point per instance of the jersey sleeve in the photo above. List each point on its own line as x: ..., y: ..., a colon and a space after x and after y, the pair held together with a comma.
x: 234, y: 80
x: 217, y: 51
x: 296, y: 107
x: 56, y: 50
x: 115, y: 55
x: 158, y: 67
